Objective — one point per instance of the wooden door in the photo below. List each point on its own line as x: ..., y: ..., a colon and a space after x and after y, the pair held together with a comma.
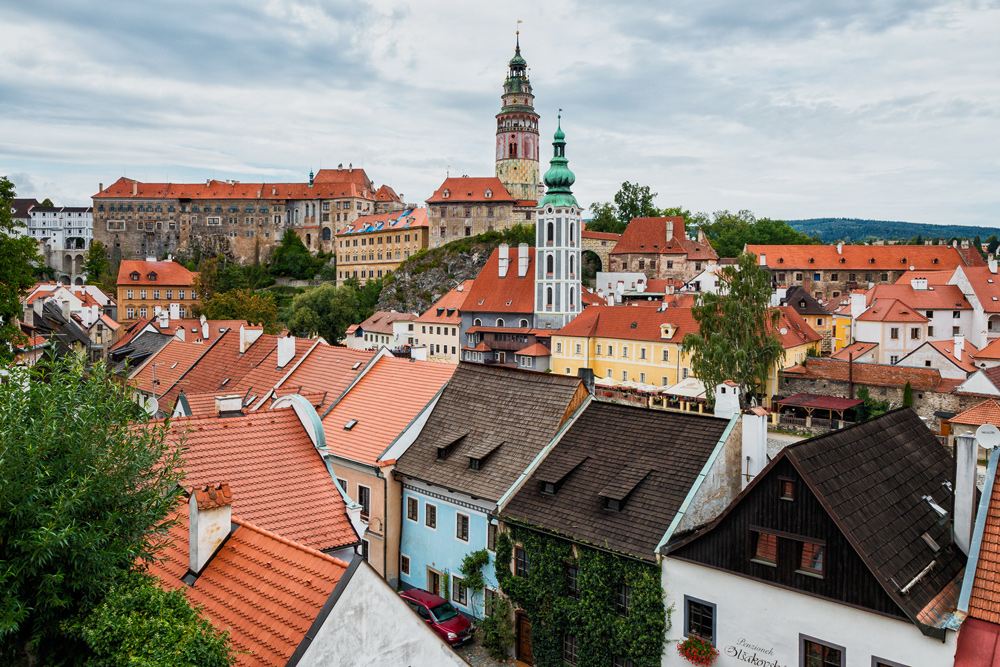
x: 524, y: 639
x: 433, y: 582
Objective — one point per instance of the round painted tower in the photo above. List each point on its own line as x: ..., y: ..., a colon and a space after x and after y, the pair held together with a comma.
x: 517, y: 132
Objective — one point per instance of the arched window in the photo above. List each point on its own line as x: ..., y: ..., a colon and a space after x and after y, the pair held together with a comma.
x: 572, y: 297
x: 500, y: 322
x: 548, y: 297
x: 326, y: 233
x: 477, y: 322
x: 524, y: 324
x: 550, y: 233
x: 549, y: 263
x: 572, y: 265
x: 572, y: 236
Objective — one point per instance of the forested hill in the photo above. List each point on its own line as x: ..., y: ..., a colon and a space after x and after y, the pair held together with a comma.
x: 849, y: 230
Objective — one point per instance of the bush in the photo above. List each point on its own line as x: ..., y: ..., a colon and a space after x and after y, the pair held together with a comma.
x: 498, y: 630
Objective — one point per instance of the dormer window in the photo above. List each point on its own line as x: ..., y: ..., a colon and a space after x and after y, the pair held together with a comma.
x: 445, y: 194
x: 134, y: 275
x: 781, y: 260
x: 152, y: 276
x: 480, y: 454
x: 616, y: 493
x: 812, y: 261
x: 667, y: 331
x: 488, y: 193
x: 448, y: 445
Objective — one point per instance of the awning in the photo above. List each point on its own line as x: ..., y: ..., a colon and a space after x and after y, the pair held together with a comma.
x: 820, y: 401
x: 977, y: 644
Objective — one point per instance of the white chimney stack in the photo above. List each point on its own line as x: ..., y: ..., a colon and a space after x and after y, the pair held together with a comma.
x: 248, y: 335
x: 858, y: 304
x: 762, y: 260
x: 175, y: 311
x: 231, y: 404
x: 919, y: 284
x: 993, y: 265
x: 204, y: 329
x: 966, y: 453
x: 210, y: 523
x: 286, y: 350
x: 840, y: 248
x: 959, y: 346
x: 754, y: 443
x: 522, y: 260
x: 504, y: 259
x: 727, y: 399
x: 163, y: 319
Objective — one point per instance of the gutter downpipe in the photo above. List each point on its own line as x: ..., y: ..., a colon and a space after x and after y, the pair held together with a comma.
x: 682, y: 510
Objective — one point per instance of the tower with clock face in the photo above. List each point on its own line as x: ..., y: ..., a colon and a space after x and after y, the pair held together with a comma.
x: 517, y: 133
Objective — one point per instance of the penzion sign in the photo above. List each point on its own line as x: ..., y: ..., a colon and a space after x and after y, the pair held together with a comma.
x: 752, y: 654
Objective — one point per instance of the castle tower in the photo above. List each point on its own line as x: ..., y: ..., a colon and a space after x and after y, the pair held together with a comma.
x: 517, y: 132
x: 558, y: 237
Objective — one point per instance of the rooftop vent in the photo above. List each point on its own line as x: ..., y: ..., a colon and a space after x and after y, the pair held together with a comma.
x: 356, y: 366
x: 351, y: 424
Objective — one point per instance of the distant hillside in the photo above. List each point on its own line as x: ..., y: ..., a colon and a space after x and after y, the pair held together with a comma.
x: 849, y: 230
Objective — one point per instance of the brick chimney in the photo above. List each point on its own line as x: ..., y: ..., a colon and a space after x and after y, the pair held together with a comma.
x: 210, y: 522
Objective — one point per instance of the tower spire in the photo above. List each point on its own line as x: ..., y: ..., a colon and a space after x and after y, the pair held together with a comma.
x: 559, y: 179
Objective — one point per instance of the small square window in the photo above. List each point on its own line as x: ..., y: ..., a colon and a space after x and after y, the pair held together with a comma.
x: 811, y: 561
x: 699, y: 619
x: 404, y: 564
x: 815, y: 653
x: 765, y: 549
x: 786, y: 488
x: 412, y: 509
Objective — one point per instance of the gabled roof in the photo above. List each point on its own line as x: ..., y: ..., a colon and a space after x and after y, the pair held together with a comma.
x: 405, y: 385
x: 167, y: 365
x: 467, y: 190
x: 861, y: 258
x: 131, y: 332
x: 511, y: 294
x: 386, y: 193
x: 891, y: 310
x: 985, y: 285
x: 136, y: 350
x: 264, y: 589
x: 987, y: 412
x: 650, y: 459
x: 168, y: 274
x: 935, y: 297
x: 278, y: 478
x: 381, y: 321
x: 991, y: 351
x: 353, y: 185
x: 967, y: 360
x: 865, y: 373
x: 600, y: 236
x: 872, y: 479
x: 802, y: 301
x: 394, y: 221
x: 793, y: 330
x: 328, y: 368
x: 520, y: 408
x: 448, y: 309
x: 536, y: 350
x: 855, y: 349
x: 649, y: 236
x: 630, y: 323
x: 193, y: 329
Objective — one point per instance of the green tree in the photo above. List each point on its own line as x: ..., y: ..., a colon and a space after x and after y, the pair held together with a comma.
x: 18, y: 254
x: 604, y: 219
x: 139, y: 623
x: 729, y: 232
x: 326, y: 311
x: 85, y: 495
x: 206, y: 283
x: 631, y: 201
x: 291, y: 259
x: 47, y: 202
x: 96, y: 266
x: 871, y: 407
x: 736, y: 338
x: 256, y: 308
x: 907, y: 395
x: 991, y: 244
x: 232, y: 277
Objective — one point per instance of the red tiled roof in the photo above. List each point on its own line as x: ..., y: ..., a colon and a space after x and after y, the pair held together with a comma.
x: 358, y: 176
x: 465, y: 189
x: 984, y: 602
x: 169, y: 364
x: 452, y: 301
x: 536, y: 350
x: 381, y: 321
x: 264, y: 589
x: 987, y: 412
x: 935, y: 278
x: 482, y: 347
x: 797, y: 330
x: 864, y: 373
x: 649, y: 236
x: 629, y: 323
x: 991, y: 351
x: 891, y: 310
x: 601, y: 236
x: 385, y: 222
x: 263, y: 456
x: 986, y: 286
x: 193, y: 330
x: 859, y: 257
x: 124, y: 188
x: 131, y: 333
x: 222, y: 366
x: 511, y: 294
x: 936, y: 297
x: 369, y: 400
x: 329, y: 368
x: 167, y: 273
x: 386, y: 193
x: 857, y: 349
x: 947, y: 348
x: 526, y: 203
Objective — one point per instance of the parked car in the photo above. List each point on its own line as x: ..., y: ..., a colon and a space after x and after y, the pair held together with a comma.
x: 440, y: 615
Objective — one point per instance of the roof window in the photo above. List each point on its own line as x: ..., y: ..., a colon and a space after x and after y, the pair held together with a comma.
x: 134, y: 275
x: 616, y: 493
x: 356, y: 366
x: 633, y: 325
x: 812, y: 260
x: 448, y: 445
x: 224, y: 382
x: 555, y: 475
x: 152, y: 276
x: 445, y: 194
x: 350, y: 424
x: 843, y: 261
x: 781, y: 260
x: 478, y: 456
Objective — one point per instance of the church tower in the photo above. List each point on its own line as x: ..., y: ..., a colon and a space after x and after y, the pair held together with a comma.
x: 517, y: 132
x: 558, y: 237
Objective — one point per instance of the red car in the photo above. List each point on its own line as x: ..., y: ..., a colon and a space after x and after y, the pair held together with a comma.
x: 441, y: 615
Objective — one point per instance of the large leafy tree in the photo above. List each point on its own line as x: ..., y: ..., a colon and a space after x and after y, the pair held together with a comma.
x: 631, y: 201
x: 730, y: 232
x: 326, y: 311
x: 18, y: 252
x: 243, y: 304
x: 291, y: 259
x: 85, y: 495
x: 737, y: 338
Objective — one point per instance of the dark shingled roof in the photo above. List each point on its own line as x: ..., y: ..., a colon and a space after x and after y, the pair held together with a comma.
x: 802, y: 301
x: 490, y: 405
x: 649, y: 457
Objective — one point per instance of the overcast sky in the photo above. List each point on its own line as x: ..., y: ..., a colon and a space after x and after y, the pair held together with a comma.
x: 879, y: 109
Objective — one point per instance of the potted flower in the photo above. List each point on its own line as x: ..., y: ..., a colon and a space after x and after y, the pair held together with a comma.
x: 697, y: 651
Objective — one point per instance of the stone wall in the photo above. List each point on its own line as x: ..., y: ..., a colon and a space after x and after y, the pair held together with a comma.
x: 472, y: 219
x: 657, y: 266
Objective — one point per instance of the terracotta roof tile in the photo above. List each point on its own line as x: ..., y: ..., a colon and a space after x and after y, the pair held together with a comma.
x: 857, y: 349
x: 991, y: 351
x: 891, y: 310
x: 168, y: 365
x: 986, y: 286
x: 131, y: 332
x: 987, y: 412
x: 358, y: 187
x: 264, y: 589
x: 511, y: 294
x: 879, y: 375
x: 386, y: 193
x: 385, y: 222
x: 600, y: 236
x: 796, y: 330
x: 984, y: 602
x: 649, y: 236
x: 381, y: 321
x: 967, y: 359
x: 630, y: 323
x: 536, y: 350
x: 448, y: 309
x: 859, y: 257
x: 936, y: 297
x: 211, y: 496
x: 262, y: 455
x: 465, y: 189
x: 167, y: 273
x: 410, y: 384
x: 327, y: 368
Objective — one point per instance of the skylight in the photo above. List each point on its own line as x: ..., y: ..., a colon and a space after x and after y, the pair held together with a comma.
x: 351, y: 424
x: 357, y: 364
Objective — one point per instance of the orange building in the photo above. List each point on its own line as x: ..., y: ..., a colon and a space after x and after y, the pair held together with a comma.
x: 143, y: 285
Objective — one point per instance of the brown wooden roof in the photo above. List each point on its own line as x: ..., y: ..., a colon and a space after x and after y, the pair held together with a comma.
x: 489, y: 404
x: 648, y: 458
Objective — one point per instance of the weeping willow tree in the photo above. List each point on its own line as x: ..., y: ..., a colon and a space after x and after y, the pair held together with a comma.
x: 737, y: 336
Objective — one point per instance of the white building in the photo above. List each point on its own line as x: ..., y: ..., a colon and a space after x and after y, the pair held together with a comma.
x: 65, y: 234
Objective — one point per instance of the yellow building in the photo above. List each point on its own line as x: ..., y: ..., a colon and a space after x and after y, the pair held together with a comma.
x: 842, y: 333
x: 642, y: 344
x: 374, y: 245
x: 144, y: 285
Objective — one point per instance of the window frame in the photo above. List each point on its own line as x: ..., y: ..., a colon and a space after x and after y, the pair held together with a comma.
x: 403, y: 558
x: 782, y: 481
x: 689, y: 600
x: 492, y: 531
x: 433, y: 508
x: 458, y: 527
x: 806, y: 638
x: 755, y: 536
x: 416, y: 506
x: 522, y: 564
x: 623, y: 600
x: 572, y: 576
x: 809, y: 571
x: 457, y: 587
x: 876, y: 661
x: 366, y: 512
x: 570, y: 650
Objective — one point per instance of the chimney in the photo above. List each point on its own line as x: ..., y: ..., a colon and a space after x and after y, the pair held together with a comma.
x: 156, y: 310
x: 993, y: 265
x: 135, y: 188
x: 587, y: 374
x: 840, y: 248
x: 286, y: 350
x: 504, y: 259
x: 727, y: 400
x: 670, y: 230
x: 754, y: 443
x: 204, y: 328
x: 274, y: 190
x: 210, y: 523
x: 100, y: 187
x: 701, y: 236
x: 227, y: 406
x: 522, y: 260
x: 966, y: 453
x: 175, y: 311
x: 918, y: 284
x: 762, y: 260
x: 64, y: 305
x: 150, y: 258
x: 248, y: 335
x: 163, y: 318
x: 959, y: 346
x: 858, y: 305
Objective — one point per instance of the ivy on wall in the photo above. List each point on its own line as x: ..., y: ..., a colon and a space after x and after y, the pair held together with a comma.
x: 601, y: 633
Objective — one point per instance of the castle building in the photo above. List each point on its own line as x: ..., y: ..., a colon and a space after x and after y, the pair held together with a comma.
x: 558, y: 243
x: 517, y: 133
